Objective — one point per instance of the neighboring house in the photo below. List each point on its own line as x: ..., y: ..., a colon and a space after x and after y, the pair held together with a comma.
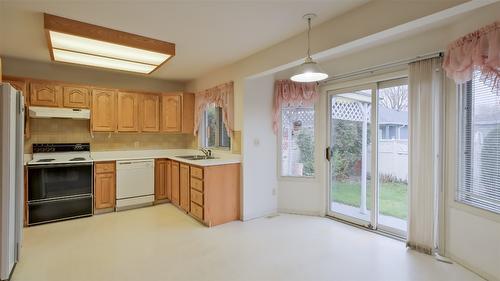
x: 393, y: 124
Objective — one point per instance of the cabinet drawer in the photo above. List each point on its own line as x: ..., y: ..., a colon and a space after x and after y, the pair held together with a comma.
x: 197, y: 184
x: 197, y: 210
x: 197, y: 172
x: 197, y: 197
x: 105, y: 167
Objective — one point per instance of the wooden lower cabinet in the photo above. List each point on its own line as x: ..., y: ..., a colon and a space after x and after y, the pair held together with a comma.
x: 104, y: 185
x: 175, y: 182
x: 163, y: 179
x: 215, y: 193
x: 184, y: 187
x: 209, y: 194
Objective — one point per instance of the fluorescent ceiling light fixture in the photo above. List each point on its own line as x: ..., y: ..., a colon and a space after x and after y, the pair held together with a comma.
x: 309, y: 71
x: 90, y: 60
x: 100, y: 48
x: 77, y: 42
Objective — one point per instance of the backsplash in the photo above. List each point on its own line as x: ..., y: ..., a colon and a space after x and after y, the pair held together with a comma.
x: 77, y: 131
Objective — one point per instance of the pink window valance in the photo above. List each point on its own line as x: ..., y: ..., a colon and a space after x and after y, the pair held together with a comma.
x: 289, y: 93
x: 220, y: 96
x: 477, y: 50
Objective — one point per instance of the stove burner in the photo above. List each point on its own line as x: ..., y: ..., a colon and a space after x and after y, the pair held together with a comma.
x: 46, y: 160
x: 77, y: 159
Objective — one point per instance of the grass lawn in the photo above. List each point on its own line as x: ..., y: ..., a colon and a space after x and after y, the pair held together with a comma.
x: 393, y: 197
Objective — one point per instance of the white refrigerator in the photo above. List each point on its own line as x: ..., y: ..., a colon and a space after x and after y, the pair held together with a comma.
x: 11, y: 177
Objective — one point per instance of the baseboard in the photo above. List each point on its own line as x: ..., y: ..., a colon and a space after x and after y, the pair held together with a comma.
x: 301, y: 212
x: 103, y: 211
x: 477, y: 271
x: 258, y: 216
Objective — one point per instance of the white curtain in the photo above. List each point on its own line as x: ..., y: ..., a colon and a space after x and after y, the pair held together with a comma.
x: 425, y: 119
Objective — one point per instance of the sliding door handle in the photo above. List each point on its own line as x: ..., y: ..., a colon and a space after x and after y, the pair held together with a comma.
x: 328, y: 153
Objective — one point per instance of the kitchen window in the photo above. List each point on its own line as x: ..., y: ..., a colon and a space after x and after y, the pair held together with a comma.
x: 479, y: 146
x: 214, y: 134
x: 297, y: 142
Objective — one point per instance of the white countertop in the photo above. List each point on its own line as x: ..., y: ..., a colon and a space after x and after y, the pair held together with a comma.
x: 223, y: 158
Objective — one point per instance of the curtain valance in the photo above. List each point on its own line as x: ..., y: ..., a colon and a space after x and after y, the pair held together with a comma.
x: 477, y: 50
x: 220, y: 96
x: 290, y: 93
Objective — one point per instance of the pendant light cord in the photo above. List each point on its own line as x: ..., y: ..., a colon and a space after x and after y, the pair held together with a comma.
x: 309, y: 38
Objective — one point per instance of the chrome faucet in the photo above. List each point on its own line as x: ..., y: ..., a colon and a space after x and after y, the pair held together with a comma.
x: 207, y: 152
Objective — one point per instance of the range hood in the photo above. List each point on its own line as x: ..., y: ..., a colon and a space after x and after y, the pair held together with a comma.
x: 55, y: 112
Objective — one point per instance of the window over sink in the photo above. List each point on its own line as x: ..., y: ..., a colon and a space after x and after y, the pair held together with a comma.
x: 214, y: 133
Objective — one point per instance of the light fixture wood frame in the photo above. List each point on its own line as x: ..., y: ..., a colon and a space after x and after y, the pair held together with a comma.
x: 95, y: 32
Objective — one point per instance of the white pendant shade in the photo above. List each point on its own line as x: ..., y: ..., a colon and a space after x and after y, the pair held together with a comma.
x: 309, y: 71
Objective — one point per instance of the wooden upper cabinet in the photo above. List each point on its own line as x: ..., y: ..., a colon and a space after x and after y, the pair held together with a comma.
x: 46, y: 94
x: 103, y: 110
x: 150, y: 113
x: 76, y: 97
x: 128, y: 112
x: 171, y: 113
x: 188, y: 113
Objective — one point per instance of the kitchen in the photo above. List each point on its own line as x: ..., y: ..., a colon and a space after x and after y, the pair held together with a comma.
x: 247, y: 140
x: 184, y: 177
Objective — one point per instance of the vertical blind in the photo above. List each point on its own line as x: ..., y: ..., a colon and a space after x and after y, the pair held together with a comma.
x: 480, y: 146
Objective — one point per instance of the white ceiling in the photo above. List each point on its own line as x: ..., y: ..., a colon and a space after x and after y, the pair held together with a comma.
x: 207, y: 34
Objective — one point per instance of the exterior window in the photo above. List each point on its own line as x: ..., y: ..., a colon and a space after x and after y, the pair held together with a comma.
x: 297, y: 142
x: 215, y: 134
x: 479, y: 146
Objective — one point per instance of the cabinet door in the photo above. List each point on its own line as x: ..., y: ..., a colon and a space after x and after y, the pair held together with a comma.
x: 104, y: 190
x: 161, y: 179
x: 76, y: 97
x: 103, y: 110
x: 128, y: 112
x: 184, y: 186
x: 169, y: 179
x: 171, y: 110
x: 175, y: 183
x: 45, y: 94
x: 187, y: 113
x: 150, y: 113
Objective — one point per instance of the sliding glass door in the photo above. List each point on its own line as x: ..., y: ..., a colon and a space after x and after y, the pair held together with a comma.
x: 368, y: 155
x: 350, y: 153
x: 392, y: 156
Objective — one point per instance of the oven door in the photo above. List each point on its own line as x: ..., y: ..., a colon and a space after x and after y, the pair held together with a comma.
x: 48, y: 182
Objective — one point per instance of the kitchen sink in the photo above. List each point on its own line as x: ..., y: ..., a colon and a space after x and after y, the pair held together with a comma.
x: 196, y: 157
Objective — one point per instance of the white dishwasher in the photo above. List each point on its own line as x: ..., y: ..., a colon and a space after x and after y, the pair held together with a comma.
x: 134, y: 183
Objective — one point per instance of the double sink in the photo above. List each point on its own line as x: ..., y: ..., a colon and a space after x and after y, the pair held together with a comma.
x: 196, y: 157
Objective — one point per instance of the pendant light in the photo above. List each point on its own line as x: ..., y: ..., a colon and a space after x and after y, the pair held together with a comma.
x: 309, y: 71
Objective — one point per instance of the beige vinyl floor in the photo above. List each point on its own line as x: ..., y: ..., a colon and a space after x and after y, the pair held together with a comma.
x: 161, y: 243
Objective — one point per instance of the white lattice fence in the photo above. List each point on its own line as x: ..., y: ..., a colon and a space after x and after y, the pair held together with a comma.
x: 349, y: 110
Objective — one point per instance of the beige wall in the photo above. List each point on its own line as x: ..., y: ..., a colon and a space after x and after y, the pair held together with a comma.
x: 69, y: 131
x: 368, y: 19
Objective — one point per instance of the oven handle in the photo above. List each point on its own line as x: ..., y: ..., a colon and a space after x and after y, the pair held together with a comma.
x: 42, y: 166
x: 65, y: 198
